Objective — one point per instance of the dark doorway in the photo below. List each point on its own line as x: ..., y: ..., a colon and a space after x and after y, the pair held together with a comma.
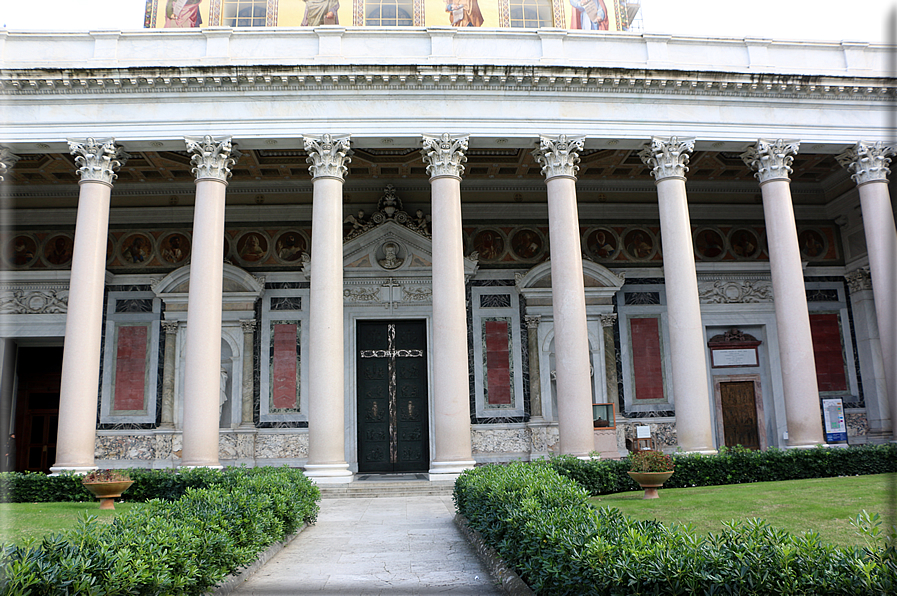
x: 37, y: 408
x: 739, y: 408
x: 392, y: 397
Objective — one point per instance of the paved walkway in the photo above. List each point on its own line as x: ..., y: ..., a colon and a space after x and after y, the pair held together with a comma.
x: 389, y: 546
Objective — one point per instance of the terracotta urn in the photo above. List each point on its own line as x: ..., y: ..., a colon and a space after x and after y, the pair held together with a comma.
x: 107, y: 492
x: 650, y: 481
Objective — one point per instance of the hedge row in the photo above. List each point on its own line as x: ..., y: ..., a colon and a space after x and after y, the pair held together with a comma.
x: 183, y: 546
x: 168, y: 485
x: 736, y: 466
x: 541, y: 524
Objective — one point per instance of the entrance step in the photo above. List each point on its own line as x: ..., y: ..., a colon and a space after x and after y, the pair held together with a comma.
x: 367, y: 486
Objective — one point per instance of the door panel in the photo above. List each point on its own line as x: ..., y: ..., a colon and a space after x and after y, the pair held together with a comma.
x: 37, y: 408
x: 739, y: 407
x: 392, y: 397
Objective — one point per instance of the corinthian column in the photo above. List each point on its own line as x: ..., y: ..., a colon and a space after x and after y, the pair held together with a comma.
x: 667, y: 158
x: 868, y: 164
x: 772, y: 162
x: 451, y: 398
x: 326, y: 392
x: 212, y: 160
x: 558, y: 158
x: 97, y: 161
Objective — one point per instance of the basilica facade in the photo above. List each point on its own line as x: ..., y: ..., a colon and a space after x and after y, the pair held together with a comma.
x: 363, y: 250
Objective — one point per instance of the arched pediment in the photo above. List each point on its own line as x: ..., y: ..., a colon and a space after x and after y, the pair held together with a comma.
x: 599, y: 282
x: 238, y: 285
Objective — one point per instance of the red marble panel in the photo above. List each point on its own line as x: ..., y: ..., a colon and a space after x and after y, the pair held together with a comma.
x: 130, y: 369
x: 498, y: 363
x: 283, y: 366
x: 830, y: 370
x: 646, y: 359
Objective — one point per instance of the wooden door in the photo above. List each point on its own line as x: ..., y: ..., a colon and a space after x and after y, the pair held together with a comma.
x: 739, y: 408
x: 392, y: 397
x: 37, y: 408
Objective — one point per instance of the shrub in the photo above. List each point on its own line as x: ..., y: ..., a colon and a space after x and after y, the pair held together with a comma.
x: 167, y: 547
x: 540, y: 523
x: 737, y: 465
x: 650, y: 461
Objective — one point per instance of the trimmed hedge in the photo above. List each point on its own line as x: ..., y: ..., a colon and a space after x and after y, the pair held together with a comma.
x: 167, y: 547
x: 541, y: 524
x: 737, y: 465
x: 168, y: 485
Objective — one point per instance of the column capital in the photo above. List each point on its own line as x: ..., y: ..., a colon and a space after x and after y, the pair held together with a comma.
x: 771, y: 159
x: 444, y: 155
x: 328, y: 157
x: 558, y: 156
x: 667, y: 157
x: 212, y: 157
x: 97, y: 160
x: 608, y: 320
x: 248, y: 326
x: 867, y: 162
x: 859, y: 280
x: 170, y: 327
x: 532, y: 321
x: 7, y: 160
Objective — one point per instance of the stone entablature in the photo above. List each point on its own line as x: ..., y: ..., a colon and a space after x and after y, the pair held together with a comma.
x: 437, y: 45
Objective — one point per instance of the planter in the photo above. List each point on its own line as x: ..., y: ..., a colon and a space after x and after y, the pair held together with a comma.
x: 650, y: 481
x: 107, y: 492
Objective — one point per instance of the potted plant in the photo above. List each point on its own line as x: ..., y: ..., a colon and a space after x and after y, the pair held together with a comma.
x: 106, y: 485
x: 650, y: 469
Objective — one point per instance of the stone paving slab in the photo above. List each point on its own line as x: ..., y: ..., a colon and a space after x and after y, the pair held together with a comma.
x: 393, y: 546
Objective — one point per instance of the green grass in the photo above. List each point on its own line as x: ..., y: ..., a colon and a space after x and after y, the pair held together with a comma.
x: 825, y: 505
x: 20, y: 522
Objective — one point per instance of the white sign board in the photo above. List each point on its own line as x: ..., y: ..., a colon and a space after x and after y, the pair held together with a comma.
x: 735, y: 357
x: 642, y: 432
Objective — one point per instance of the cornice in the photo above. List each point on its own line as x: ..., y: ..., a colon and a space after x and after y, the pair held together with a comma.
x: 425, y: 77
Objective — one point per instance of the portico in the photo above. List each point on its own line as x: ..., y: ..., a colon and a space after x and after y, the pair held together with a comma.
x: 526, y: 259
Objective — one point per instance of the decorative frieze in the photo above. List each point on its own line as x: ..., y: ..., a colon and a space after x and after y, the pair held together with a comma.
x: 416, y: 294
x: 867, y: 162
x: 444, y: 155
x: 859, y: 280
x: 667, y: 157
x: 34, y: 301
x: 771, y: 159
x: 7, y: 161
x: 212, y: 157
x: 559, y: 156
x: 363, y: 294
x: 735, y: 291
x: 97, y: 160
x: 328, y: 157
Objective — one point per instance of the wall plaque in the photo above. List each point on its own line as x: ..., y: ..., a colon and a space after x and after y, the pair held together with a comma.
x: 734, y: 357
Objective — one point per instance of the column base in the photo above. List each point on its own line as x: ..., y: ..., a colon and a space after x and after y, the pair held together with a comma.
x: 701, y: 451
x: 78, y: 470
x: 329, y: 473
x: 448, y: 470
x: 807, y: 446
x: 216, y: 466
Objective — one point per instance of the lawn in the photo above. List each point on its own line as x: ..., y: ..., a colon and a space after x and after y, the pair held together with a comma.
x: 21, y: 521
x: 825, y: 505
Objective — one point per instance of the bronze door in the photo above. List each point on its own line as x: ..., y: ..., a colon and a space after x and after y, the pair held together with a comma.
x: 739, y: 408
x: 392, y: 397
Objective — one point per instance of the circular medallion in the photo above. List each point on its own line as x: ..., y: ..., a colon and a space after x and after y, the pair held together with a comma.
x: 174, y: 248
x: 527, y: 244
x: 136, y: 249
x: 252, y: 247
x: 58, y: 250
x: 289, y: 246
x: 489, y: 244
x: 602, y: 244
x: 639, y: 244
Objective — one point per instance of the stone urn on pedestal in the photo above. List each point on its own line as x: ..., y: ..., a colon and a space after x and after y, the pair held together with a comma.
x: 106, y: 485
x: 650, y: 469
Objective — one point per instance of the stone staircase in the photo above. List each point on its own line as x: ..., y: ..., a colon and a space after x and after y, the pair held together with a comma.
x: 366, y: 486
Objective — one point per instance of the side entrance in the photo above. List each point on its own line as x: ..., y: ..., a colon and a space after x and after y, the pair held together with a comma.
x: 740, y: 409
x: 392, y: 394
